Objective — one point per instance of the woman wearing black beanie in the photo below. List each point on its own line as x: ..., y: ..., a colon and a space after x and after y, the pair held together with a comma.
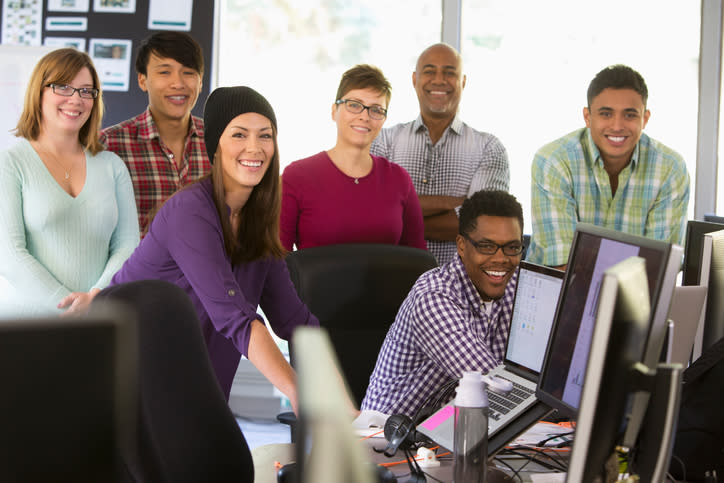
x: 218, y: 239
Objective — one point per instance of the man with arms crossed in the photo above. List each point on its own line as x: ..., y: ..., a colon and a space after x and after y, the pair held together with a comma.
x: 609, y: 173
x: 456, y: 317
x: 163, y: 147
x: 447, y: 159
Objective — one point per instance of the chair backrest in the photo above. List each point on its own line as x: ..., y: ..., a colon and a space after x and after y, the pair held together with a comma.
x: 355, y: 291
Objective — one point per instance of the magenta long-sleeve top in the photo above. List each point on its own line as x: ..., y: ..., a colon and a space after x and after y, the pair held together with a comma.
x: 323, y: 206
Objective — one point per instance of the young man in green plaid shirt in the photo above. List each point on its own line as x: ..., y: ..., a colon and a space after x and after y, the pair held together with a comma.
x: 609, y: 173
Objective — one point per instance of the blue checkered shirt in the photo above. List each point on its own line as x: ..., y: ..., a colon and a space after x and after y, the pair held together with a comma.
x: 570, y: 185
x: 440, y: 331
x: 462, y: 162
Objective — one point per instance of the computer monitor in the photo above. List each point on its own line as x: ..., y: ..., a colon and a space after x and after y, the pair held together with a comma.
x: 692, y: 270
x: 714, y: 318
x: 617, y: 344
x: 697, y: 269
x: 594, y: 250
x: 68, y: 403
x: 714, y: 218
x: 327, y: 449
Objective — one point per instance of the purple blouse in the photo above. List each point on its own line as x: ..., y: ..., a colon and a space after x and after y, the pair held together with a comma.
x: 185, y: 246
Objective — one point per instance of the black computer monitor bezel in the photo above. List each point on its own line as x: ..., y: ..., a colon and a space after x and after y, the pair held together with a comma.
x: 695, y: 231
x: 661, y: 282
x: 87, y: 365
x: 711, y: 217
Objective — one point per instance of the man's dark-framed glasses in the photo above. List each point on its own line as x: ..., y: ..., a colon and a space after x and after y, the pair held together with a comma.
x: 67, y: 91
x: 356, y: 107
x: 487, y: 247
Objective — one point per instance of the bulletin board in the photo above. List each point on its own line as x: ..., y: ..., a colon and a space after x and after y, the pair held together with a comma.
x: 113, y: 30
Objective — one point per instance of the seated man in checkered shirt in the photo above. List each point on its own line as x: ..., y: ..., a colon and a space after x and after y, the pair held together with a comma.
x: 456, y: 316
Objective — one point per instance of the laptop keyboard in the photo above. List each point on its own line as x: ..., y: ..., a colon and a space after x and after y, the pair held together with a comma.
x: 500, y: 404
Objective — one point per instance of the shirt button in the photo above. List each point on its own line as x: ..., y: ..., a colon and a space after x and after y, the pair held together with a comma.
x: 170, y: 156
x: 424, y: 181
x: 231, y: 292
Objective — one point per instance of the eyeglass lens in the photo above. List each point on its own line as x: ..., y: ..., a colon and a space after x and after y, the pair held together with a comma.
x: 68, y: 91
x: 355, y: 107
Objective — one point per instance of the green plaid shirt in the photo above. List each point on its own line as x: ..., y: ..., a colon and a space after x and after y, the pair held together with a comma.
x: 569, y: 184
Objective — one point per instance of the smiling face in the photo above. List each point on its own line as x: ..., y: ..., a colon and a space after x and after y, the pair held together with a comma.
x: 490, y: 273
x: 67, y: 114
x: 245, y: 151
x: 172, y: 88
x: 616, y: 118
x: 358, y: 129
x: 439, y: 82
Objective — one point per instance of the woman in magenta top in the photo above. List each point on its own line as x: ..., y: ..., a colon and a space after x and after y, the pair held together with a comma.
x: 344, y: 194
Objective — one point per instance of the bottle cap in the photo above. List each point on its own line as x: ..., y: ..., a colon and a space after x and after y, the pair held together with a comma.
x: 471, y: 391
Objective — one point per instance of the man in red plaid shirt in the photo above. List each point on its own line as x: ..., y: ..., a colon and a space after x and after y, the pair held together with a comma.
x: 163, y: 147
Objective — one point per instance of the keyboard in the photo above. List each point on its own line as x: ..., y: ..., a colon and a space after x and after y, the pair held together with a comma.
x: 500, y: 404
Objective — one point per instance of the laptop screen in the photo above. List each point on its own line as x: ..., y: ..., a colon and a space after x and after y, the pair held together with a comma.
x: 536, y: 297
x: 594, y: 250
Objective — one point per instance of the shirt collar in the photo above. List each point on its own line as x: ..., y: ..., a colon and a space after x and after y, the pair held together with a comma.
x: 469, y: 290
x: 149, y: 130
x: 596, y: 154
x: 455, y: 126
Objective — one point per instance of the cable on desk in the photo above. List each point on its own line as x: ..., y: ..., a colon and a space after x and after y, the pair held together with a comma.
x: 516, y: 473
x: 542, y: 442
x: 519, y: 451
x: 372, y: 435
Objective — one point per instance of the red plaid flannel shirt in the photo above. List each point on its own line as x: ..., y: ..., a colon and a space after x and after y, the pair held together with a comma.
x: 150, y: 162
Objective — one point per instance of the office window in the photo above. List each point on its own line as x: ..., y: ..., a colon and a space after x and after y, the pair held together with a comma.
x: 294, y: 53
x: 529, y: 63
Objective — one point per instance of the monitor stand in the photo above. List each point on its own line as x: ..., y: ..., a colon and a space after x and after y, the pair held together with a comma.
x: 650, y: 460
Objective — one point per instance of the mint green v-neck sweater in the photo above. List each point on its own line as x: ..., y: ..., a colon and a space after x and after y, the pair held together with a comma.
x: 52, y: 244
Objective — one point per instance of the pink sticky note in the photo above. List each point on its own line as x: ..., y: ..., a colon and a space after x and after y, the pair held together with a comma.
x: 440, y: 417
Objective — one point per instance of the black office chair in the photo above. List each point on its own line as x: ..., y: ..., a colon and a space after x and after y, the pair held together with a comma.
x: 355, y: 291
x: 186, y: 431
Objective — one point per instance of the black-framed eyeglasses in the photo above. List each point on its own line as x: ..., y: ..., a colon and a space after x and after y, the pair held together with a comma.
x: 356, y: 107
x: 487, y: 247
x: 68, y: 91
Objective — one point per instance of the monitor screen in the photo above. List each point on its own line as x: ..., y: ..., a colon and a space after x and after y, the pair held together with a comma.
x: 593, y: 251
x: 68, y: 400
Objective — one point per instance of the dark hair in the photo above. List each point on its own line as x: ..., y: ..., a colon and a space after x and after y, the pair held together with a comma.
x: 617, y: 77
x: 364, y: 76
x: 178, y: 46
x: 258, y: 234
x: 60, y: 67
x: 490, y: 203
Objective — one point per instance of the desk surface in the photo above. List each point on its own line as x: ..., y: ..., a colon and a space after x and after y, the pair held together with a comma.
x: 265, y: 457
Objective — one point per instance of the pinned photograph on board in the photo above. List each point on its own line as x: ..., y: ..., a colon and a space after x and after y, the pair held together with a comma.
x: 68, y: 5
x: 112, y: 58
x: 77, y: 43
x: 115, y: 6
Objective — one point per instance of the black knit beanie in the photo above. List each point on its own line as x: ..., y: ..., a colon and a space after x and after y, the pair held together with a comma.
x: 224, y: 104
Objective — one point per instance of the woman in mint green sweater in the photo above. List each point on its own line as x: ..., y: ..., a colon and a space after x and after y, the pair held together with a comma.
x: 67, y: 214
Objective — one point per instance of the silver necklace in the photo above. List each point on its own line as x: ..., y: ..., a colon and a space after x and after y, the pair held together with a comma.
x: 66, y: 172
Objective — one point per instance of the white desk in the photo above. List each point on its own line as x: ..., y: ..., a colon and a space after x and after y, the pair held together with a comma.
x: 265, y: 457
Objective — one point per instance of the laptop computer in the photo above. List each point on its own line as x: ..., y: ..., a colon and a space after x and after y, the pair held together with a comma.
x: 533, y: 313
